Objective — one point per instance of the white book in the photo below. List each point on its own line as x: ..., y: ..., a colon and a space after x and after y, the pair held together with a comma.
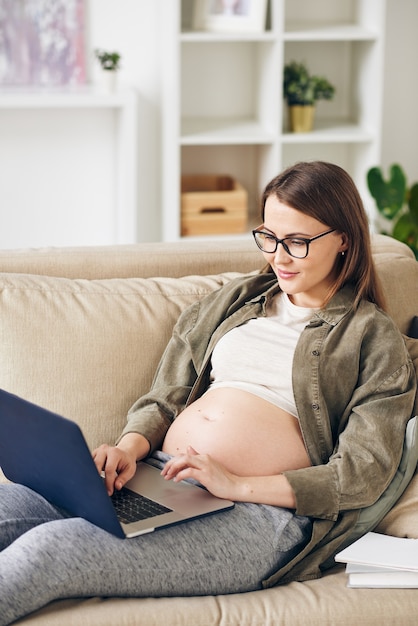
x: 379, y: 577
x: 382, y: 551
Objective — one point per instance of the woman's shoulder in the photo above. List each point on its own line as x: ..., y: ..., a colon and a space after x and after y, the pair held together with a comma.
x: 376, y: 315
x: 365, y: 322
x: 365, y: 312
x: 378, y: 331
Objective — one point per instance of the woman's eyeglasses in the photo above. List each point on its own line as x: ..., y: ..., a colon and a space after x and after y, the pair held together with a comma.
x: 298, y: 247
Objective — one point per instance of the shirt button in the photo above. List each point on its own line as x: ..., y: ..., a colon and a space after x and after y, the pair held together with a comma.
x: 315, y: 407
x: 315, y: 352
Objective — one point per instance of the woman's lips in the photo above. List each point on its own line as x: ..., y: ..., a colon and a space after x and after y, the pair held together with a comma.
x: 285, y: 275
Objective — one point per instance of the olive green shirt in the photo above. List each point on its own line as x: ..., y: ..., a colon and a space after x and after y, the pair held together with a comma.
x: 354, y: 386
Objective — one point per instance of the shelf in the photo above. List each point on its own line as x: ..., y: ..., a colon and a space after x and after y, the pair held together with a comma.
x: 206, y: 37
x: 294, y: 32
x: 225, y: 238
x: 223, y: 131
x: 331, y: 131
x: 216, y: 131
x: 90, y: 96
x: 341, y: 32
x: 223, y: 102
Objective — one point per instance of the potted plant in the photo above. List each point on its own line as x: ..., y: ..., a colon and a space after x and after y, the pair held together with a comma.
x: 109, y: 61
x: 301, y: 91
x: 396, y: 203
x: 110, y: 64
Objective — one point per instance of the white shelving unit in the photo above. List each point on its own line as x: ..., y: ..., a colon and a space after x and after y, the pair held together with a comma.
x: 123, y: 103
x: 223, y: 108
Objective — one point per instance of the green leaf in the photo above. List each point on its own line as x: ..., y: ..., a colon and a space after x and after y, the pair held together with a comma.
x: 389, y: 195
x: 413, y: 200
x: 406, y: 230
x: 299, y: 87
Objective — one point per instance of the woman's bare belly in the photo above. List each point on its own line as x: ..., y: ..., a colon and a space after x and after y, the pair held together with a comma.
x: 248, y: 435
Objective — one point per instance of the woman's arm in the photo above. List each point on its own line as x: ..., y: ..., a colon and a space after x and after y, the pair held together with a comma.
x: 354, y: 421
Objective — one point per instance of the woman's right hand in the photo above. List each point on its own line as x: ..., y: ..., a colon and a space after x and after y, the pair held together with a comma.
x: 118, y: 463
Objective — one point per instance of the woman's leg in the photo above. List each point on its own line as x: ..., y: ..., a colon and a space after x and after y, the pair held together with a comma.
x: 20, y: 510
x: 227, y: 552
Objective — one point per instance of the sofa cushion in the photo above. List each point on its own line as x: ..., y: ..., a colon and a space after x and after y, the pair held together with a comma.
x: 398, y: 274
x: 87, y: 349
x: 321, y: 602
x: 402, y: 519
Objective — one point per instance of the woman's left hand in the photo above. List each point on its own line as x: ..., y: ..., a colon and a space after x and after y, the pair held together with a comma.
x: 205, y: 470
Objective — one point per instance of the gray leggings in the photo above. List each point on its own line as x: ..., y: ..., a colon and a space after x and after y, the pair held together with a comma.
x: 47, y: 556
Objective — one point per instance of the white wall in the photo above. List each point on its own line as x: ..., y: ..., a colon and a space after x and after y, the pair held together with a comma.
x: 400, y: 113
x: 67, y: 170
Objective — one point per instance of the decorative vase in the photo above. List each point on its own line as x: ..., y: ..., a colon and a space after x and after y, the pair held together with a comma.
x: 301, y: 117
x: 108, y: 80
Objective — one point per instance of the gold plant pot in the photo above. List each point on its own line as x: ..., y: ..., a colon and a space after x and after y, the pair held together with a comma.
x: 301, y: 118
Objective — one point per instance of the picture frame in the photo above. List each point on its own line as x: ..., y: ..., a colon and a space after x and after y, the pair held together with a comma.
x: 230, y: 16
x: 43, y: 43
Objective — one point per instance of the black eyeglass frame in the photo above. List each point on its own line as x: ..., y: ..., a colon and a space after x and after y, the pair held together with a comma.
x: 284, y: 244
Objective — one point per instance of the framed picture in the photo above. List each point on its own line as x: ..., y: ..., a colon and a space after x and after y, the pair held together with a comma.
x: 226, y: 16
x: 42, y: 42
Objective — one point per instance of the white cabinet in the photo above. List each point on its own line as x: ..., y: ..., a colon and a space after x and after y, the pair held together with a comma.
x: 223, y: 108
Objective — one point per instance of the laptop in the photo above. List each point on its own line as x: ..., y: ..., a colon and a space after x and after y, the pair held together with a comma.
x: 49, y: 454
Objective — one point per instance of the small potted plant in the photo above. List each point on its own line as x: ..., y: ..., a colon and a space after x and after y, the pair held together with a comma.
x: 396, y: 203
x: 109, y: 61
x: 301, y: 91
x: 110, y: 64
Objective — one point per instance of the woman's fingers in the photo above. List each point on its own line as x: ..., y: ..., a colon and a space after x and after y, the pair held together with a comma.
x: 116, y: 465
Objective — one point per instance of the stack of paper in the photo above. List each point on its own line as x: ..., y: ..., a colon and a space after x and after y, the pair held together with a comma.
x: 377, y: 560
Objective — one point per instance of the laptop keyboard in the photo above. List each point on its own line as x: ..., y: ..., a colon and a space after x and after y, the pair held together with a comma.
x: 132, y: 507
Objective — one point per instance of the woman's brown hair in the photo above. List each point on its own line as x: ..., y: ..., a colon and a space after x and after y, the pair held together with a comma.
x: 326, y: 192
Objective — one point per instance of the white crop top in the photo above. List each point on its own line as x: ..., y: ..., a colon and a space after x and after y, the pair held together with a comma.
x: 257, y: 356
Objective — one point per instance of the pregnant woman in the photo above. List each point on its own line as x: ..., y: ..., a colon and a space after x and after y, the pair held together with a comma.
x: 287, y: 391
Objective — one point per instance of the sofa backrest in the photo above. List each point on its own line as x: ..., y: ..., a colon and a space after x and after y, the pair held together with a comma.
x: 142, y: 260
x: 146, y: 260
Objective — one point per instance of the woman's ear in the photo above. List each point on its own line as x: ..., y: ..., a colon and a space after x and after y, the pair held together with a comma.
x: 344, y: 242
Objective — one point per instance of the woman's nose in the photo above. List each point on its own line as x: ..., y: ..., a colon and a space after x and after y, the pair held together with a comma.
x: 281, y: 255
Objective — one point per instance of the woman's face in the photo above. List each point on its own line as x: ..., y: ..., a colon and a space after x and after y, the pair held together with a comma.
x: 307, y: 280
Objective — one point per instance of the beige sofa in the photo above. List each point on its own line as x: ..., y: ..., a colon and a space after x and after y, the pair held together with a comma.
x: 82, y: 330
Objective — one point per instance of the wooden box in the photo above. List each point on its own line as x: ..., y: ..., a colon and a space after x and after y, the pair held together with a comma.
x: 212, y: 205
